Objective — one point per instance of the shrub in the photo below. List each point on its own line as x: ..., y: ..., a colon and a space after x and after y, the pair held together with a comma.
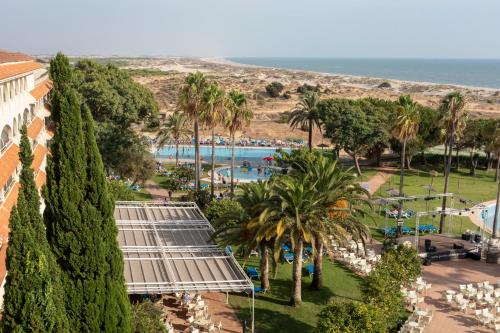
x: 223, y: 208
x: 201, y: 197
x: 147, y: 318
x: 178, y: 178
x: 274, y: 89
x: 381, y: 287
x: 120, y: 191
x: 287, y: 95
x: 308, y: 88
x: 349, y: 317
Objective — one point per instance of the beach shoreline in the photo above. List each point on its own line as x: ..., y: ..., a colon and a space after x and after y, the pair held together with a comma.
x: 224, y: 61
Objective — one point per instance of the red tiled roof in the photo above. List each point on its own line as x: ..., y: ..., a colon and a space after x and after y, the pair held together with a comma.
x: 6, y: 56
x: 11, y: 199
x: 35, y: 127
x: 42, y: 89
x: 39, y: 154
x: 9, y: 162
x: 40, y: 179
x: 10, y: 70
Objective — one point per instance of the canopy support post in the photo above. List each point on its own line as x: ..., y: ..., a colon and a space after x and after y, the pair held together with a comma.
x: 253, y: 310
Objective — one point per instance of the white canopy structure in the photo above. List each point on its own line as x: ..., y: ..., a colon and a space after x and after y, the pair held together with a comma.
x: 168, y: 247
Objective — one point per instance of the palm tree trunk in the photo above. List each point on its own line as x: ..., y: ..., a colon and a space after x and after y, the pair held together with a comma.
x: 317, y: 282
x: 212, y: 179
x: 177, y: 153
x: 495, y: 219
x: 232, y: 164
x: 310, y: 135
x: 446, y: 181
x: 196, y: 155
x: 401, y: 178
x: 297, y: 274
x: 497, y: 174
x: 264, y: 266
x: 356, y: 164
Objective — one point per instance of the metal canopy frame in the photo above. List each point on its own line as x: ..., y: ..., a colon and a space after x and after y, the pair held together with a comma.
x: 168, y: 247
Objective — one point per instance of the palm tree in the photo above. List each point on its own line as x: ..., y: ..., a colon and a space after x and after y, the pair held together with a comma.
x: 406, y: 128
x: 294, y: 210
x: 190, y: 100
x: 496, y: 149
x: 341, y: 197
x: 174, y: 130
x: 238, y: 115
x: 248, y: 235
x: 452, y: 110
x: 306, y: 115
x: 213, y: 115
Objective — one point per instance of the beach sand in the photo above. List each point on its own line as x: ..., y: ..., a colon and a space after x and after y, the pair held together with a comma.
x: 269, y: 112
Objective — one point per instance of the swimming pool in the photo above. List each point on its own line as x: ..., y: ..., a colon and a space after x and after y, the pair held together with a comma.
x: 245, y: 174
x: 489, y: 216
x: 222, y: 154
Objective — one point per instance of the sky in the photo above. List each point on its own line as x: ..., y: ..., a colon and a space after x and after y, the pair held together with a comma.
x: 254, y: 28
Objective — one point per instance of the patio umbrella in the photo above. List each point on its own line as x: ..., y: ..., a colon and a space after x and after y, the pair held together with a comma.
x: 268, y: 158
x: 323, y: 145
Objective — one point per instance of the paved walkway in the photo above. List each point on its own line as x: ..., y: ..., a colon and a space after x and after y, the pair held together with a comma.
x: 157, y: 193
x: 217, y: 308
x: 379, y: 179
x: 449, y: 275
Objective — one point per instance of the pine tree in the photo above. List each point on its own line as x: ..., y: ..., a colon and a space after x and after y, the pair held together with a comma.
x: 34, y: 299
x: 79, y: 217
x: 117, y: 306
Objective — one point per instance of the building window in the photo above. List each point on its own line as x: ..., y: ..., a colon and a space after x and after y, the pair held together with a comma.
x: 15, y: 128
x: 8, y: 185
x: 26, y: 116
x: 5, y: 138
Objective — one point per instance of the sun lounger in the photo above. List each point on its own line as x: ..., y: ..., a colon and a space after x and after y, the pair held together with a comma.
x: 252, y: 273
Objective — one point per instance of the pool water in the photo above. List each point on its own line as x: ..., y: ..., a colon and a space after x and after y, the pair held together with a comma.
x: 245, y: 174
x: 222, y: 154
x: 489, y: 216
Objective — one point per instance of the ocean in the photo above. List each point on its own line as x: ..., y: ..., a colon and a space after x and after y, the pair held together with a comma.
x: 465, y: 72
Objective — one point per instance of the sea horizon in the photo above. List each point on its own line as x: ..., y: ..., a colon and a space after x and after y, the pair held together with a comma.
x: 470, y: 73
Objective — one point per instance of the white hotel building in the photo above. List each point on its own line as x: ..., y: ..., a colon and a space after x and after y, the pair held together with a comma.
x: 24, y: 90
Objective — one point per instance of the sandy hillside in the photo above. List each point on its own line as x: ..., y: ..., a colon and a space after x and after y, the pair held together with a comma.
x: 482, y: 102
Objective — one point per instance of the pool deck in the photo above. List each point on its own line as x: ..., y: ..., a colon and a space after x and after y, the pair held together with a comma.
x: 446, y: 275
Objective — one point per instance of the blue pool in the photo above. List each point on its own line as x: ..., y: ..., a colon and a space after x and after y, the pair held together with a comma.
x: 222, y: 154
x: 244, y: 174
x: 489, y: 215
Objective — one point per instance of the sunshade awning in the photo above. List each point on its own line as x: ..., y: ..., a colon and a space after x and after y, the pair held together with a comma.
x: 167, y: 247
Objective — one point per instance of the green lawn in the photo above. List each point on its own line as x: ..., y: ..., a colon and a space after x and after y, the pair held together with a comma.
x: 272, y: 312
x: 478, y: 189
x: 141, y: 195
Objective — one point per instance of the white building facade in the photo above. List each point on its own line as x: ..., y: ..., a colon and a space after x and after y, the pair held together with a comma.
x: 24, y: 99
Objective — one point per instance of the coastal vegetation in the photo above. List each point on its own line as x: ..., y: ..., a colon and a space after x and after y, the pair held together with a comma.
x: 117, y: 104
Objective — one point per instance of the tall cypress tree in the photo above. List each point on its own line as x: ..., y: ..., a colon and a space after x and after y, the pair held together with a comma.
x: 34, y: 299
x: 78, y: 216
x: 117, y: 306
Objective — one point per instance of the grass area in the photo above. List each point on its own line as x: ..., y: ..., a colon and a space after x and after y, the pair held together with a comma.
x: 478, y: 189
x: 272, y: 312
x: 145, y: 72
x: 141, y: 195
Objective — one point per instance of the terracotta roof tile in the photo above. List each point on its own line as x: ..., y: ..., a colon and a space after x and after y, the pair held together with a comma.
x: 40, y: 153
x: 10, y: 70
x: 42, y: 89
x: 35, y: 127
x: 50, y: 133
x: 40, y: 179
x: 9, y: 161
x: 6, y: 57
